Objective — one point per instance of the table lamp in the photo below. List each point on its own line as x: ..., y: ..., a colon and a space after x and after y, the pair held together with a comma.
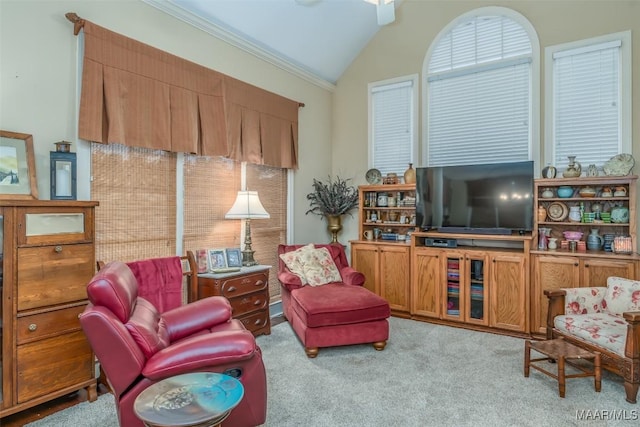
x: 247, y: 206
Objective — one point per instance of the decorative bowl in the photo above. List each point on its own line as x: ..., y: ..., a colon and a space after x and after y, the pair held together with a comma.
x: 565, y: 191
x: 587, y: 192
x: 572, y: 235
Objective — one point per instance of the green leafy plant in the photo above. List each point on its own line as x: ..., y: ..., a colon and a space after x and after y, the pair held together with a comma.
x: 334, y: 197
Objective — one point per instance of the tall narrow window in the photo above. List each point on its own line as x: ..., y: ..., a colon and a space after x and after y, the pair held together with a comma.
x: 392, y: 124
x: 478, y: 83
x: 587, y: 100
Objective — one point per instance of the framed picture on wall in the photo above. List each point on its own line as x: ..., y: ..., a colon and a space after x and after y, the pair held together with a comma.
x: 17, y: 166
x: 217, y: 259
x: 234, y: 257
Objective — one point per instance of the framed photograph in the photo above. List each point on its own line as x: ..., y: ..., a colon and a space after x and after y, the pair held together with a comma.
x: 202, y: 259
x: 234, y: 257
x: 217, y: 259
x: 17, y: 166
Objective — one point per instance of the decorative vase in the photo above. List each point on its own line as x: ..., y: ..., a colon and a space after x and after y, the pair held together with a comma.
x: 553, y: 243
x: 594, y: 240
x: 542, y: 214
x: 543, y: 238
x: 334, y: 226
x: 549, y: 171
x: 574, y: 214
x: 574, y: 168
x: 410, y: 175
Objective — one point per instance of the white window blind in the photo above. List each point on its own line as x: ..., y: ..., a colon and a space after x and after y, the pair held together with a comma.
x: 586, y: 103
x: 479, y: 94
x: 392, y: 126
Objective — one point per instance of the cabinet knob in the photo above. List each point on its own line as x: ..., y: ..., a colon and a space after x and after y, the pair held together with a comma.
x: 257, y: 302
x: 258, y: 283
x: 33, y: 327
x: 231, y: 288
x: 58, y: 249
x: 576, y: 264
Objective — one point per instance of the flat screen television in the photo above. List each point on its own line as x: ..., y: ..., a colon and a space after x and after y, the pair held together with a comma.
x: 492, y: 198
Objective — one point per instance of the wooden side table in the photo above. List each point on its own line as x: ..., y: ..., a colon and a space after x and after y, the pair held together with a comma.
x: 562, y: 352
x: 248, y: 292
x: 200, y: 399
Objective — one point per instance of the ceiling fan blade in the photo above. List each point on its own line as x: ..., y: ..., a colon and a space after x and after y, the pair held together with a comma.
x: 386, y: 12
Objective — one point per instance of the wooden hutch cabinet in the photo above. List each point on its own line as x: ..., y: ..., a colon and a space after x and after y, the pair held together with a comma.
x: 565, y: 268
x: 48, y: 257
x: 382, y: 252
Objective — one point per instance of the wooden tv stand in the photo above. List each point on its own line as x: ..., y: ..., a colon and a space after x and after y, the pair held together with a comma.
x: 482, y: 283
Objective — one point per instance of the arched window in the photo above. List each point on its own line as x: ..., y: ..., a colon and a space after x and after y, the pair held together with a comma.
x: 480, y: 81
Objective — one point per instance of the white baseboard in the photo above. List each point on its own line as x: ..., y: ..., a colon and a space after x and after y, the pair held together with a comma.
x: 275, y: 309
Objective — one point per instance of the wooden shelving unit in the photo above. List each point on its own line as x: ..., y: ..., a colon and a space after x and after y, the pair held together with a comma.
x: 563, y: 268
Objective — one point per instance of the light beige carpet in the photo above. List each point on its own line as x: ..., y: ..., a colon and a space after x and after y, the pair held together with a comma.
x: 428, y: 375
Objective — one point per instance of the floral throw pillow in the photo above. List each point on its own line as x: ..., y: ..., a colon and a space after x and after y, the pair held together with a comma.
x: 583, y: 300
x: 319, y: 268
x: 622, y: 295
x: 294, y: 261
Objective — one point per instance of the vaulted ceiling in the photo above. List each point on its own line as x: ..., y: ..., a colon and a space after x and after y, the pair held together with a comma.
x: 315, y: 38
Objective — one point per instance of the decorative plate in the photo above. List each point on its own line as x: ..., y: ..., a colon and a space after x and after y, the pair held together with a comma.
x: 619, y: 165
x: 373, y: 176
x: 558, y: 211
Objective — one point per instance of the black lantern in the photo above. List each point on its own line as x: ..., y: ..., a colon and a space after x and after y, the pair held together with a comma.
x: 63, y: 172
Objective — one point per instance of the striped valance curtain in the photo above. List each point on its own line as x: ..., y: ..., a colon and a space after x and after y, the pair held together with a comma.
x: 136, y: 95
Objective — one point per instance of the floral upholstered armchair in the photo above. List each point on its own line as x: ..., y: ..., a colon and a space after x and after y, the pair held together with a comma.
x: 602, y: 319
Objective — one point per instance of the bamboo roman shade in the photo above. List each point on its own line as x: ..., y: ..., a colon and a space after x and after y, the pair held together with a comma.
x: 136, y: 95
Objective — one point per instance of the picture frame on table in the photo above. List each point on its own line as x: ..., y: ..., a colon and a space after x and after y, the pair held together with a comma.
x: 17, y: 166
x: 234, y: 257
x: 217, y: 259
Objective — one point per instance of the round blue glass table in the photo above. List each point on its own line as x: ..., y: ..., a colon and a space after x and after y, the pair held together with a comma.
x: 199, y: 399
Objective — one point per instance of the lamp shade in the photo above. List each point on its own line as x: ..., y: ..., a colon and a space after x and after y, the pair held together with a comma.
x: 247, y: 206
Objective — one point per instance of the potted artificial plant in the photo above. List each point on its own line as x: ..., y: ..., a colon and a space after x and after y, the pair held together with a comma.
x: 331, y: 200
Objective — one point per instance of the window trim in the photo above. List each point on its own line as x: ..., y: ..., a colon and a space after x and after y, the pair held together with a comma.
x: 413, y: 78
x: 625, y: 89
x: 535, y: 147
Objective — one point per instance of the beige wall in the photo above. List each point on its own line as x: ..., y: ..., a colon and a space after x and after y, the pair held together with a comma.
x: 38, y: 84
x: 399, y: 49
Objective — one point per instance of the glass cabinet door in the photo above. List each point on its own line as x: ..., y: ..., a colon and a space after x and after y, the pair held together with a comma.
x: 477, y: 290
x: 477, y: 296
x: 455, y: 287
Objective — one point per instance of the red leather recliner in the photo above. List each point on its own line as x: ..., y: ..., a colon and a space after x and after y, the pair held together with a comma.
x: 334, y: 314
x: 137, y: 346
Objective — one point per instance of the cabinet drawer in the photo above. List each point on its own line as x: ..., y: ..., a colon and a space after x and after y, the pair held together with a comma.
x: 255, y: 321
x: 233, y: 287
x: 51, y: 364
x: 51, y: 275
x: 249, y: 303
x: 51, y: 323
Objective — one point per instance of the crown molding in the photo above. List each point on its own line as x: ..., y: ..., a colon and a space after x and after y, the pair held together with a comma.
x: 234, y: 40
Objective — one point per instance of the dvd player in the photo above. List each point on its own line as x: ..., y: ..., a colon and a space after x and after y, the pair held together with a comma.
x: 440, y: 243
